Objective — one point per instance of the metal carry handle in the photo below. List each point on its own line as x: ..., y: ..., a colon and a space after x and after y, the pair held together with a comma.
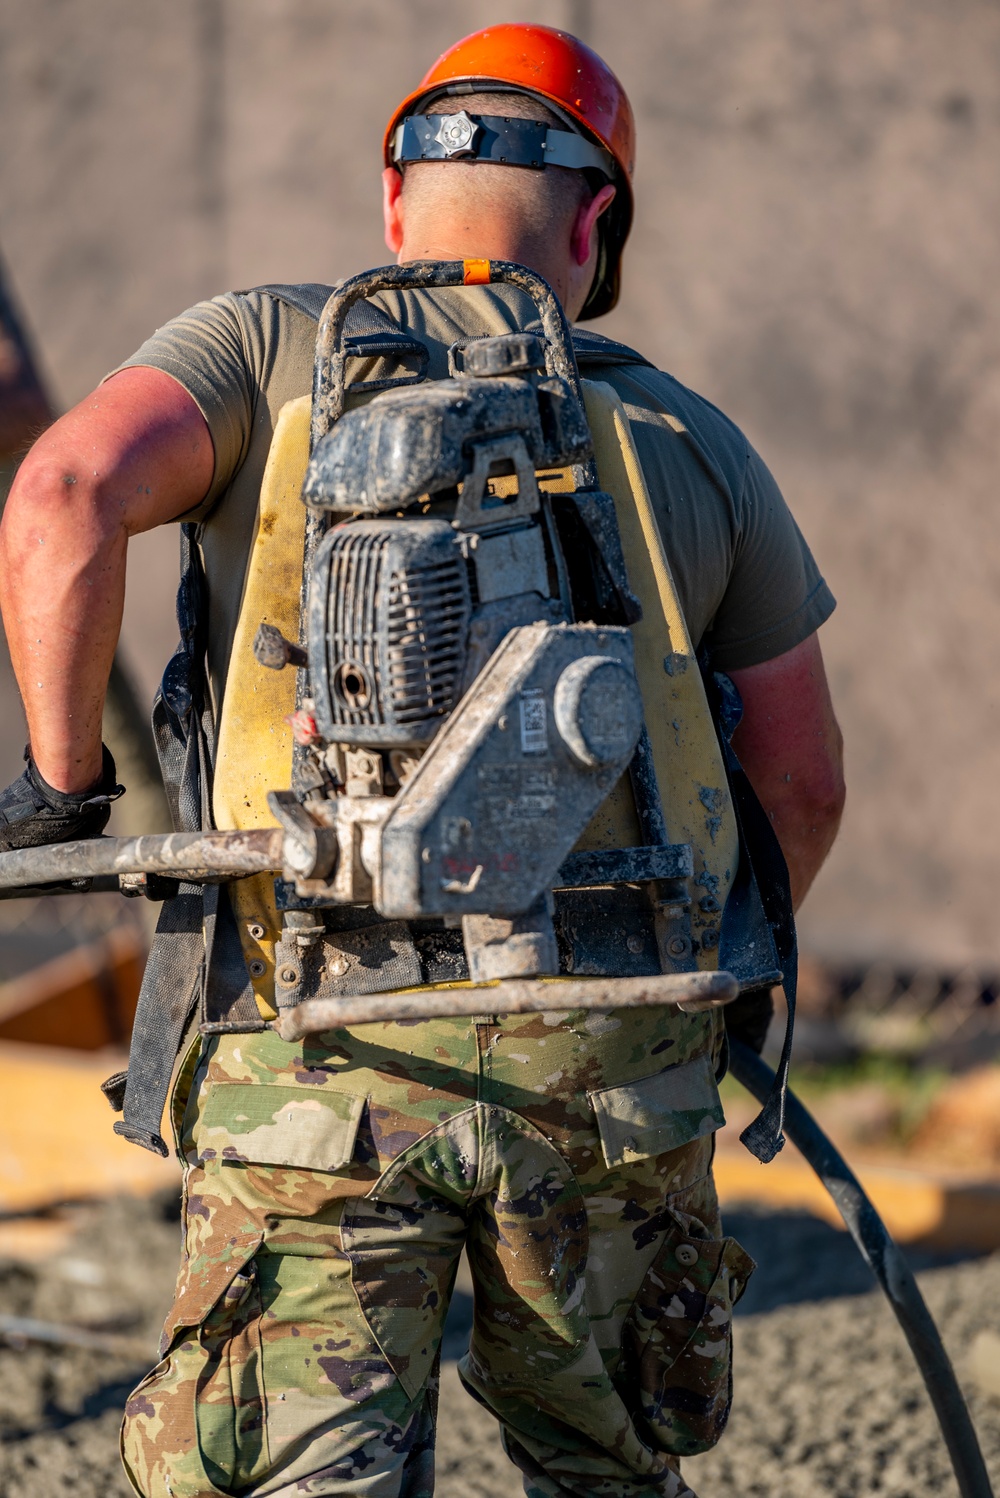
x: 331, y: 357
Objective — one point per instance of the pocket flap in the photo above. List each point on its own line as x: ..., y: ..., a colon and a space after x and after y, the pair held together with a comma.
x: 658, y: 1113
x: 205, y: 1279
x: 308, y: 1128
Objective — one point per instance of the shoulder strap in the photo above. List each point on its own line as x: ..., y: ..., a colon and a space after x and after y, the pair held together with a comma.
x: 759, y: 908
x: 367, y: 323
x: 170, y: 986
x: 183, y: 726
x: 370, y: 332
x: 184, y: 730
x: 594, y: 348
x: 308, y: 297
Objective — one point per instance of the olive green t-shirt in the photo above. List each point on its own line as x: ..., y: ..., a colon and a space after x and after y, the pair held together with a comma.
x: 747, y: 581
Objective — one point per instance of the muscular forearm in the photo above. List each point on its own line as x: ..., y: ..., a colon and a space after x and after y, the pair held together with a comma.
x: 132, y: 455
x: 62, y: 584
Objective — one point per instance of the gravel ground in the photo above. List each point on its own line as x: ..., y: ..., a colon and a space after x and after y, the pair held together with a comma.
x: 828, y: 1399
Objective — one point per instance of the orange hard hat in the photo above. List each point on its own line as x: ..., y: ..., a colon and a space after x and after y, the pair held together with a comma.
x: 559, y: 69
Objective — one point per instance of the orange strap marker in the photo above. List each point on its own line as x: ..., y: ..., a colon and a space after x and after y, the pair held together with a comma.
x: 476, y: 272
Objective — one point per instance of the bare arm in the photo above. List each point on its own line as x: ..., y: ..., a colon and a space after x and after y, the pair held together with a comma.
x: 135, y: 453
x: 791, y: 748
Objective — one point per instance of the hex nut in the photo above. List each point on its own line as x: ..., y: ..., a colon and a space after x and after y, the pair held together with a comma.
x: 288, y: 976
x: 678, y: 946
x: 255, y: 930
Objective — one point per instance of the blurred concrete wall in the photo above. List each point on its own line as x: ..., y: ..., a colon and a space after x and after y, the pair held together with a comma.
x: 816, y: 250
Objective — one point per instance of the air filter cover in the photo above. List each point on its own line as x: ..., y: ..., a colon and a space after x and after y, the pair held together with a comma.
x: 389, y: 609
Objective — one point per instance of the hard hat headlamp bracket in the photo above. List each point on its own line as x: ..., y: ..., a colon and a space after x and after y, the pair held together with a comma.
x: 503, y: 140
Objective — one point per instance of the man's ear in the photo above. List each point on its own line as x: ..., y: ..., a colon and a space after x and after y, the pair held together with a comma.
x: 583, y: 238
x: 392, y: 208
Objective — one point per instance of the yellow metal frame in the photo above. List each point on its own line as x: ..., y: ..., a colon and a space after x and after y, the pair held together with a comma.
x: 255, y: 742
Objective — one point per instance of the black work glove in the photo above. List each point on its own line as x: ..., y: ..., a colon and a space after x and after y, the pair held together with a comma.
x: 748, y: 1017
x: 33, y: 813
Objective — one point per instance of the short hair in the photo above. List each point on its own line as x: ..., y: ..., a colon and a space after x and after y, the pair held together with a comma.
x: 555, y: 192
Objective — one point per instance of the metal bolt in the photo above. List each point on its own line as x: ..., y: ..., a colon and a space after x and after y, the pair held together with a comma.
x: 678, y: 946
x: 634, y: 943
x: 686, y: 1254
x: 288, y: 976
x: 710, y: 938
x: 256, y: 930
x: 257, y: 968
x: 336, y: 966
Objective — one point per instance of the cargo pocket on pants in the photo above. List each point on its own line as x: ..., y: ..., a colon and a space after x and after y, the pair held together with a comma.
x: 199, y: 1418
x: 675, y: 1373
x: 230, y: 1411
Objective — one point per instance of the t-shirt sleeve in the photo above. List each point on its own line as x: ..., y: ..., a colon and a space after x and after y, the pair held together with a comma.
x: 775, y: 596
x: 205, y: 350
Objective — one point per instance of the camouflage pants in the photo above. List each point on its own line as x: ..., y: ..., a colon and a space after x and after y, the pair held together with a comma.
x: 331, y: 1187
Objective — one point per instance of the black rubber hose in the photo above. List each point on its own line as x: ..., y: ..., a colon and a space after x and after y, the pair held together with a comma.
x: 889, y: 1267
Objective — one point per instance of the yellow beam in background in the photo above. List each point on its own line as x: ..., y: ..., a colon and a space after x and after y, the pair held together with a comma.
x: 56, y: 1138
x: 936, y: 1211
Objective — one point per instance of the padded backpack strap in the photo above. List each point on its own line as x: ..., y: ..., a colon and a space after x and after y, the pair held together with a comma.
x: 255, y: 740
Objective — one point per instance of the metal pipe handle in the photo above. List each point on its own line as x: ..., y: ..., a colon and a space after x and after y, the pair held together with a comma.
x: 691, y: 992
x: 193, y: 856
